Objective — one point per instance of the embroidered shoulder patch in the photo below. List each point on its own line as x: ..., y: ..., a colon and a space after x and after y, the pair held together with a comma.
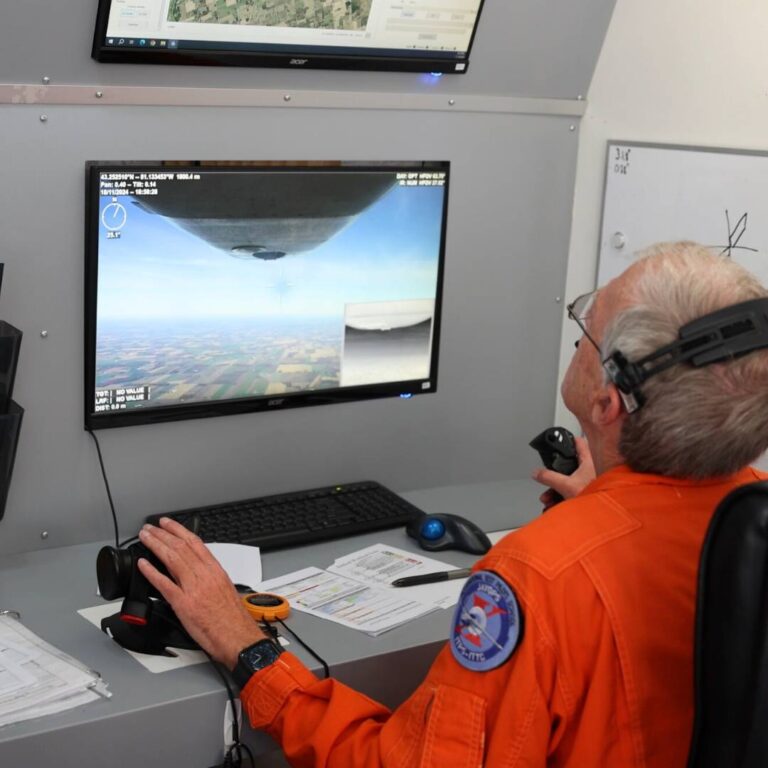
x: 486, y: 625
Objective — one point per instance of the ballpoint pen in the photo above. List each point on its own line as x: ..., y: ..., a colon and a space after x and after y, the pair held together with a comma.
x: 431, y: 578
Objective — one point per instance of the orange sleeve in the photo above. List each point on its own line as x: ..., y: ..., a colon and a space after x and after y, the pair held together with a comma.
x: 450, y: 720
x: 317, y: 722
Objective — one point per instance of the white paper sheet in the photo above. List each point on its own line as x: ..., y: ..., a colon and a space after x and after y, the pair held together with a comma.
x: 379, y: 565
x: 13, y: 675
x: 183, y: 658
x: 241, y: 562
x: 345, y: 601
x: 497, y: 536
x: 51, y: 681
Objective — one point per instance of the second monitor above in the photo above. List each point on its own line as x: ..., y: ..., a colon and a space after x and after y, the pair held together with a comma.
x: 399, y: 35
x: 215, y: 288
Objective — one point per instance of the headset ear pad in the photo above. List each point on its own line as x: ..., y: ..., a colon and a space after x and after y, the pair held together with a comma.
x: 113, y: 572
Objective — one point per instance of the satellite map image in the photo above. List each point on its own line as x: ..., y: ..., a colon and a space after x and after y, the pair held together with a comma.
x: 327, y: 14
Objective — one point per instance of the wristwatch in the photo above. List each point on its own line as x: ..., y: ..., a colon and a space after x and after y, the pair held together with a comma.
x: 253, y: 658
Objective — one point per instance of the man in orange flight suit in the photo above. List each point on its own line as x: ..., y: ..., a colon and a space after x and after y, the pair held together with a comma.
x: 572, y: 642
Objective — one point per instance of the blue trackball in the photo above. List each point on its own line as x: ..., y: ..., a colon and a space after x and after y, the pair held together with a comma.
x: 433, y: 529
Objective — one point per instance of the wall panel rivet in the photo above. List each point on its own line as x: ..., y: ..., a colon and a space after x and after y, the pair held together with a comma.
x: 580, y: 98
x: 46, y: 80
x: 571, y: 127
x: 558, y: 299
x: 287, y: 97
x: 99, y: 94
x: 44, y: 535
x: 451, y: 102
x: 43, y: 334
x: 618, y: 240
x: 43, y: 118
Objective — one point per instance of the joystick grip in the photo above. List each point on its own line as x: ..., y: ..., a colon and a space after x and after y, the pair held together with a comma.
x: 557, y: 448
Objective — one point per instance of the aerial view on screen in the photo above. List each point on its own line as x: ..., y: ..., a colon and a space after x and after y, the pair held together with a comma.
x: 219, y: 286
x: 324, y: 14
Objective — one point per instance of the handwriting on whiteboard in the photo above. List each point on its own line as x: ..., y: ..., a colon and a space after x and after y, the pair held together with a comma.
x: 621, y: 160
x: 734, y: 236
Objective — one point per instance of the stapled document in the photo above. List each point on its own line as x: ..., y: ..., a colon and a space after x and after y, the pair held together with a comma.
x: 37, y: 679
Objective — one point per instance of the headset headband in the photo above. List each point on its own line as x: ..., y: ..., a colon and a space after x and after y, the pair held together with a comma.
x: 722, y: 335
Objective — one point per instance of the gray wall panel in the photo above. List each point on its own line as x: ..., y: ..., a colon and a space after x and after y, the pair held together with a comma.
x: 522, y: 48
x: 510, y: 202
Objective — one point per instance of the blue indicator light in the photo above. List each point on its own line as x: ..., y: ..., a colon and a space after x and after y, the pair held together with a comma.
x: 430, y: 78
x: 406, y: 395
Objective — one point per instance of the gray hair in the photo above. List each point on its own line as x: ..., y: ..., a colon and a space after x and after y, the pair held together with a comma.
x: 696, y: 422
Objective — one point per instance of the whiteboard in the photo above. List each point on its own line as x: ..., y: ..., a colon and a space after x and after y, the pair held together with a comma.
x: 655, y: 193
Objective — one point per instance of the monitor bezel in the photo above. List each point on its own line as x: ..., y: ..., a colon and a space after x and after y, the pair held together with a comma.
x: 284, y: 56
x: 262, y: 403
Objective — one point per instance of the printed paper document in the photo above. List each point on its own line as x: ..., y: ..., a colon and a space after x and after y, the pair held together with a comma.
x: 345, y: 601
x: 37, y: 679
x: 379, y: 565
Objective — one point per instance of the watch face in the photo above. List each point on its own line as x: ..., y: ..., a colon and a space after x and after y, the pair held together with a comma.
x: 255, y: 657
x: 260, y: 655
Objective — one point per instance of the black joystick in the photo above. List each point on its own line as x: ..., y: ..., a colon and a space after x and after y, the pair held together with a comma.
x: 557, y: 448
x: 145, y: 622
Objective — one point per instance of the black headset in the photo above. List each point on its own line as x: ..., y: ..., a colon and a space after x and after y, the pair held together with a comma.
x: 722, y: 335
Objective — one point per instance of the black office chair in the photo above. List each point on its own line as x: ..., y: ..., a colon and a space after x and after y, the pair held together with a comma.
x: 731, y: 646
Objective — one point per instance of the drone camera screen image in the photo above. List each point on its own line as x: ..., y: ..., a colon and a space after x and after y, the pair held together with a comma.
x: 214, y: 288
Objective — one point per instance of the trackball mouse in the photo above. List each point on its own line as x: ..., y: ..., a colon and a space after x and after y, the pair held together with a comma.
x: 444, y: 531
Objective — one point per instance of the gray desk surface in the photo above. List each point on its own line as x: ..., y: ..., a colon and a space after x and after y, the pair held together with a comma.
x: 177, y: 717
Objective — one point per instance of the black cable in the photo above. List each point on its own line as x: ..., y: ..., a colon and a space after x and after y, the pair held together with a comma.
x: 229, y: 761
x: 306, y: 647
x: 236, y: 745
x: 106, y: 485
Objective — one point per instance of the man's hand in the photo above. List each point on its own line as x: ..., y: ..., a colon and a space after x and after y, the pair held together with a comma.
x: 567, y: 485
x: 200, y: 592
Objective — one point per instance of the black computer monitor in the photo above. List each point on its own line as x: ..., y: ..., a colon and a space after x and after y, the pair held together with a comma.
x: 219, y: 288
x: 405, y: 35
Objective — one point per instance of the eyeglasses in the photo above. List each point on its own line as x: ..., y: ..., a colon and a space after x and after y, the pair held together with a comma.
x: 579, y: 309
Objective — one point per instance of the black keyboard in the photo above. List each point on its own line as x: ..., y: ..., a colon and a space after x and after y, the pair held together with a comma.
x: 303, y: 517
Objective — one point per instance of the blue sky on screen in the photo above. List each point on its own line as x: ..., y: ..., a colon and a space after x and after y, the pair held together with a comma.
x: 155, y: 269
